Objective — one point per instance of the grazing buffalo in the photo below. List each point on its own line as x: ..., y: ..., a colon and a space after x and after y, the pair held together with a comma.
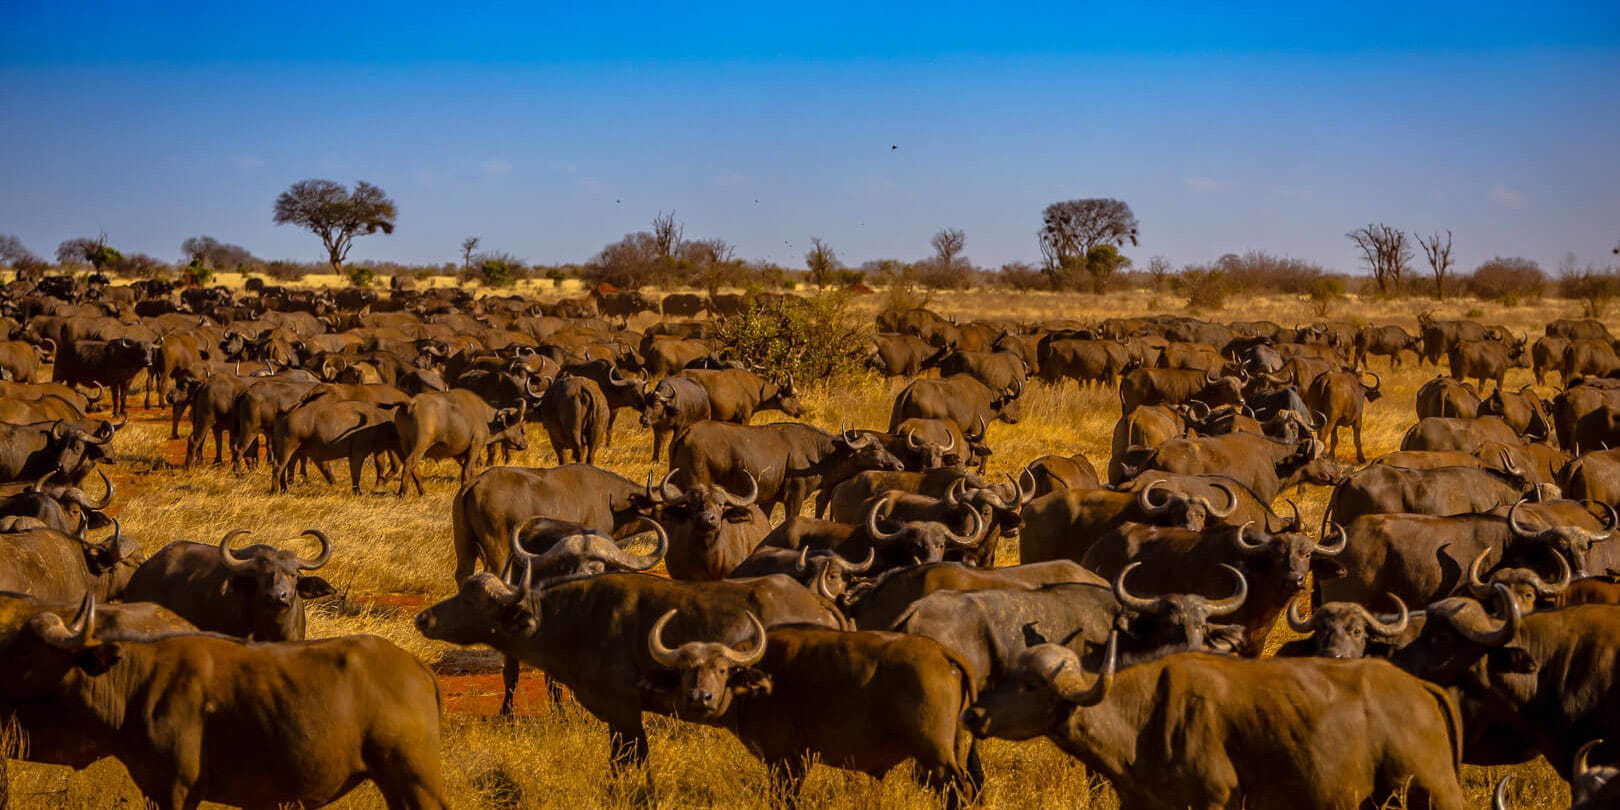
x: 575, y: 414
x: 590, y: 634
x: 1262, y: 464
x: 1547, y: 355
x: 1054, y: 472
x: 1445, y: 397
x: 1340, y: 397
x: 878, y: 603
x: 256, y: 592
x: 775, y: 694
x: 1385, y: 341
x: 452, y: 424
x: 962, y: 400
x: 786, y: 460
x: 1441, y: 491
x: 1174, y: 386
x: 330, y: 429
x: 1272, y: 733
x: 500, y: 500
x: 1482, y: 361
x: 1064, y: 524
x: 1458, y: 433
x: 113, y: 363
x: 1522, y: 410
x: 198, y: 717
x: 736, y: 395
x: 999, y: 371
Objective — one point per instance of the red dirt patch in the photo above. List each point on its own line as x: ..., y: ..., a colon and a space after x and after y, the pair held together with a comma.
x: 481, y: 694
x: 396, y: 601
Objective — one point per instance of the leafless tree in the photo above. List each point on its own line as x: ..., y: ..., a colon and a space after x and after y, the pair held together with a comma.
x: 948, y: 244
x: 337, y: 216
x: 469, y: 248
x: 18, y: 256
x: 1438, y: 253
x: 1386, y: 252
x: 1160, y: 269
x: 821, y: 261
x: 666, y: 234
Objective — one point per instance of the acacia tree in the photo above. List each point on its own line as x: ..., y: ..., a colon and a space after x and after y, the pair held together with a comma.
x: 1386, y: 252
x: 948, y: 244
x: 666, y: 234
x: 821, y: 261
x: 1438, y: 253
x: 336, y: 215
x: 469, y: 247
x: 19, y: 257
x: 1071, y: 229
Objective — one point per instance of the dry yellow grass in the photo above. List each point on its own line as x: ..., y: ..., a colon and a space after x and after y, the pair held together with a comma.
x: 393, y: 554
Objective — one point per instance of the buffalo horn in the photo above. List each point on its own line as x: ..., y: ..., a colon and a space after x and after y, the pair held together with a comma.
x: 1298, y: 623
x: 661, y: 655
x: 745, y: 500
x: 1130, y: 600
x: 973, y: 536
x: 879, y: 511
x: 1505, y: 631
x: 754, y: 655
x: 1231, y: 603
x: 1145, y: 499
x: 321, y: 558
x: 228, y: 559
x: 1098, y: 692
x: 1336, y: 549
x: 1389, y: 629
x: 1477, y: 586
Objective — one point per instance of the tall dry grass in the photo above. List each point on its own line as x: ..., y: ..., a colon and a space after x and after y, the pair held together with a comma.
x: 394, y: 554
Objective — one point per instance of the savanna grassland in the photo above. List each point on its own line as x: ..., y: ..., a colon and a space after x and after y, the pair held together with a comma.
x: 392, y: 556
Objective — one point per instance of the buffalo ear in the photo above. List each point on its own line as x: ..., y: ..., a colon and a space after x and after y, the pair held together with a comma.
x: 98, y: 659
x: 99, y: 560
x: 314, y: 587
x: 1514, y: 660
x: 750, y: 681
x: 1033, y: 635
x: 739, y: 514
x: 518, y: 620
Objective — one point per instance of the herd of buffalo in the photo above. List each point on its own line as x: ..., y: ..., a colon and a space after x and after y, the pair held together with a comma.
x: 1458, y: 600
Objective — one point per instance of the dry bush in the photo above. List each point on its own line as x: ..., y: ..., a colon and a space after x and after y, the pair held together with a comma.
x: 1510, y: 282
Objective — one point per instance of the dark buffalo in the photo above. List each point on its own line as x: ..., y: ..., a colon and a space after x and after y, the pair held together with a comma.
x: 452, y: 424
x: 256, y: 592
x: 1173, y: 386
x: 1442, y: 491
x: 113, y: 363
x: 788, y: 461
x: 576, y: 416
x: 711, y: 531
x: 961, y: 399
x: 590, y: 634
x: 30, y: 452
x: 184, y: 713
x: 736, y: 395
x: 49, y: 564
x: 774, y: 696
x: 1446, y: 433
x: 1445, y: 397
x: 1276, y: 733
x: 673, y: 405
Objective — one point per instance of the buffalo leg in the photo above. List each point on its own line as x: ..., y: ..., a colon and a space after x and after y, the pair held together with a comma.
x: 627, y: 742
x: 1355, y: 433
x: 509, y: 684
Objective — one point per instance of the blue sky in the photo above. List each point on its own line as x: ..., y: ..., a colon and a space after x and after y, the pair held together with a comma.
x: 550, y: 132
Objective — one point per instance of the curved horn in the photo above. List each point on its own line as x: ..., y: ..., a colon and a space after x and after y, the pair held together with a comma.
x: 804, y: 560
x: 1546, y: 589
x: 950, y: 442
x: 973, y: 536
x: 1378, y: 382
x: 1231, y: 501
x: 39, y: 486
x: 953, y: 493
x: 861, y: 567
x: 1298, y: 623
x: 982, y: 427
x: 1390, y: 629
x: 528, y: 388
x: 1296, y: 523
x: 1027, y: 494
x: 661, y: 655
x: 745, y: 500
x: 1243, y: 543
x: 879, y: 511
x: 1321, y: 420
x: 106, y: 500
x: 1098, y: 692
x: 1477, y: 586
x: 1192, y: 410
x: 1499, y: 796
x: 1505, y: 631
x: 321, y: 558
x: 1336, y: 549
x: 515, y: 546
x: 754, y: 655
x: 911, y: 440
x: 229, y: 560
x: 1513, y: 521
x: 1580, y: 755
x: 1144, y: 499
x: 1132, y: 601
x: 1231, y: 603
x: 635, y: 562
x: 665, y: 487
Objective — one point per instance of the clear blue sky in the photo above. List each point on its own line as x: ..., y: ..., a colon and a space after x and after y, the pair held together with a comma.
x: 550, y: 132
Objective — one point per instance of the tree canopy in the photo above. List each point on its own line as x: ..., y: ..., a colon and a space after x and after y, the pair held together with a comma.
x: 336, y: 215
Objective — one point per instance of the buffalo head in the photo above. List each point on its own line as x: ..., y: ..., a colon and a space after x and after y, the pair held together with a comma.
x: 1163, y: 502
x: 1460, y: 636
x: 710, y: 672
x: 1571, y: 542
x: 579, y: 552
x: 1288, y: 558
x: 920, y: 541
x: 1035, y: 697
x: 1343, y: 629
x: 1526, y: 586
x: 703, y: 506
x: 271, y: 585
x: 1181, y: 621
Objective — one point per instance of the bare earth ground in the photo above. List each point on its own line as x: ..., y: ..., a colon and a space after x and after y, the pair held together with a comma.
x: 394, y: 556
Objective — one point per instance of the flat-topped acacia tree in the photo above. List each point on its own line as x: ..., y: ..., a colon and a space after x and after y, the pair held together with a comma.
x: 336, y: 215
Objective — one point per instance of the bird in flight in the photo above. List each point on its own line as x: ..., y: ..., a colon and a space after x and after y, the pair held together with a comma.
x: 892, y: 147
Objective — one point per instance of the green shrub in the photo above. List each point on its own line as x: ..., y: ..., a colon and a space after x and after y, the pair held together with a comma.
x: 362, y: 277
x: 811, y: 338
x: 497, y: 273
x: 198, y: 274
x: 1325, y: 292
